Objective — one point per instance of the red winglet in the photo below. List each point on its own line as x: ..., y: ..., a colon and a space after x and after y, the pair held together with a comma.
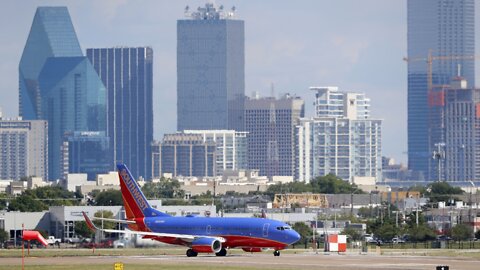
x: 90, y: 224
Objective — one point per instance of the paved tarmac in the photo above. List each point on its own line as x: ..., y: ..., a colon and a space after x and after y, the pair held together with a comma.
x: 267, y: 260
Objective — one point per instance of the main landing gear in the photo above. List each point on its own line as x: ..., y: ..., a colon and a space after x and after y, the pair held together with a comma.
x: 222, y: 252
x: 276, y: 253
x: 191, y: 253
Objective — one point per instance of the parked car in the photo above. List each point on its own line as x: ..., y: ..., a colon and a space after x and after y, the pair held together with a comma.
x: 444, y: 238
x: 72, y: 240
x: 51, y: 240
x: 398, y: 240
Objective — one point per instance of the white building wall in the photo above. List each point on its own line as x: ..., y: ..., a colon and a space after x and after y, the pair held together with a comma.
x: 229, y: 155
x: 342, y: 139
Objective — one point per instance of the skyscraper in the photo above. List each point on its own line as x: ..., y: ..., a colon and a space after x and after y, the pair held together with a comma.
x: 127, y: 74
x: 57, y: 83
x: 442, y: 28
x: 23, y: 148
x: 271, y: 123
x: 462, y: 134
x: 86, y: 152
x: 231, y: 152
x: 210, y: 70
x: 51, y: 35
x: 184, y: 154
x: 341, y: 139
x: 72, y: 99
x: 457, y: 125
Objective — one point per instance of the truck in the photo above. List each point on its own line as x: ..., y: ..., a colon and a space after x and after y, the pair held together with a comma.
x: 51, y: 240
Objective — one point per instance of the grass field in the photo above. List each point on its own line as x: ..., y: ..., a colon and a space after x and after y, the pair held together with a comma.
x: 55, y: 252
x: 125, y: 267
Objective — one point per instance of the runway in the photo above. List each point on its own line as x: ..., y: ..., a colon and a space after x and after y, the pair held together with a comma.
x: 267, y: 261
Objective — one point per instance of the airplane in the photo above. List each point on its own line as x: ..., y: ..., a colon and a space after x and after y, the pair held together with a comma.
x: 199, y: 234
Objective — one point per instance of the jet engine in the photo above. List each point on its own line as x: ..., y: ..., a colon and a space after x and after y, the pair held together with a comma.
x: 206, y: 245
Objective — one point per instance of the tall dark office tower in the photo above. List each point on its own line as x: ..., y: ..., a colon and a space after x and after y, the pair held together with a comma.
x: 86, y: 152
x: 58, y: 84
x: 444, y: 29
x: 127, y: 74
x: 210, y: 70
x: 271, y: 125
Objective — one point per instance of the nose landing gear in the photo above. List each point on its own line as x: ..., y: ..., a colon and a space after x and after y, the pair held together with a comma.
x: 276, y: 253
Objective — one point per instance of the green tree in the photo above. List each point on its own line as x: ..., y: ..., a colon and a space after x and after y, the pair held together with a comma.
x: 461, y: 232
x: 54, y: 196
x: 165, y: 188
x: 386, y: 231
x: 304, y: 230
x: 106, y: 224
x: 441, y: 191
x: 292, y: 187
x: 39, y: 199
x: 366, y: 212
x: 353, y: 234
x: 81, y: 229
x: 204, y: 199
x: 419, y: 188
x: 3, y: 201
x: 477, y: 234
x: 109, y: 197
x: 420, y: 233
x: 4, y: 236
x: 26, y: 203
x: 331, y: 184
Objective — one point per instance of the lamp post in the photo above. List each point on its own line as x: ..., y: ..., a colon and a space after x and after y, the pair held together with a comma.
x: 439, y: 154
x: 351, y: 199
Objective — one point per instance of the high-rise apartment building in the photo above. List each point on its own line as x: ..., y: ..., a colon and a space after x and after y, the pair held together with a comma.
x: 329, y: 102
x: 23, y: 148
x: 462, y: 134
x: 231, y: 151
x: 86, y: 152
x: 456, y: 115
x: 185, y: 155
x: 444, y: 29
x: 58, y: 84
x: 270, y: 124
x: 127, y: 74
x: 341, y: 139
x: 210, y: 70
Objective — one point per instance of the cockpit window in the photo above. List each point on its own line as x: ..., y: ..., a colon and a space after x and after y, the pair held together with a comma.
x: 284, y: 228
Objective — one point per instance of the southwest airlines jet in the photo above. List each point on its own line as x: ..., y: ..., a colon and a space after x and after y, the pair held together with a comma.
x: 200, y: 234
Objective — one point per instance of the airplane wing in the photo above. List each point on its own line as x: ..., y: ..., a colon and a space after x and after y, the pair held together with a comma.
x: 115, y: 220
x: 184, y: 237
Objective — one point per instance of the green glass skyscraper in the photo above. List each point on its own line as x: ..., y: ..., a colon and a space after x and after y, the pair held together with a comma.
x: 58, y: 84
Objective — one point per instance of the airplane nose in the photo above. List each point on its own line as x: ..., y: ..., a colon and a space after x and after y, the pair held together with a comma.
x: 295, y: 237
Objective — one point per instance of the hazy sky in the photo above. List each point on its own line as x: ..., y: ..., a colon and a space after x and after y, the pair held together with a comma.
x: 356, y: 45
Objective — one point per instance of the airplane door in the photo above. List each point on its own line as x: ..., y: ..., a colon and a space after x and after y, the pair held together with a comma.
x: 265, y: 229
x: 209, y: 229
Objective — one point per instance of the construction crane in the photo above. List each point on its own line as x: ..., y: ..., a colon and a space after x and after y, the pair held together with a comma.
x: 430, y: 58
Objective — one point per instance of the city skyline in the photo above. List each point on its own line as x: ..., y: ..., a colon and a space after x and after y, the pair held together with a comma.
x: 358, y: 51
